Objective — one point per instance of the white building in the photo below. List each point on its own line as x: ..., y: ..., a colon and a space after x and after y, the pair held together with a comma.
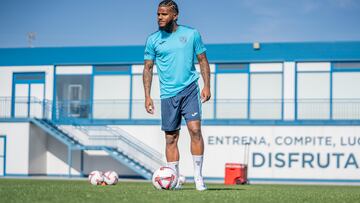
x: 68, y: 111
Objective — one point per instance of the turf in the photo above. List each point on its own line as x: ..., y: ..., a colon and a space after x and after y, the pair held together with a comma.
x: 35, y: 190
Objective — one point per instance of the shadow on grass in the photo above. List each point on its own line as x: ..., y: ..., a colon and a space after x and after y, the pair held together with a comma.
x: 224, y: 189
x: 215, y: 189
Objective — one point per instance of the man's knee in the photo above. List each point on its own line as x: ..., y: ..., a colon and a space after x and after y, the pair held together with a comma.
x: 171, y: 138
x: 195, y: 133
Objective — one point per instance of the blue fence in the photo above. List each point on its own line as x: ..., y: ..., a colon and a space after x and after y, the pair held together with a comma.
x: 218, y: 110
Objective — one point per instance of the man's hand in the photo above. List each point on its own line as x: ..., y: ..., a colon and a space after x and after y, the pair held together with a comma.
x: 205, y: 94
x: 149, y: 105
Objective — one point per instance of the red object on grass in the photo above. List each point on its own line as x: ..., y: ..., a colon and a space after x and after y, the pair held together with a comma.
x: 235, y: 173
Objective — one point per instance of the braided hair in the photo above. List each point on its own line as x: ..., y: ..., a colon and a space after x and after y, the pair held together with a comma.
x: 171, y: 4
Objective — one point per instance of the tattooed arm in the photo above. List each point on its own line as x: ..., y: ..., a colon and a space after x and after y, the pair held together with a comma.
x: 147, y: 78
x: 205, y: 73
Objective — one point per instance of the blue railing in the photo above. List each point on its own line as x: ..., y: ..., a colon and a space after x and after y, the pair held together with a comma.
x: 24, y: 107
x: 221, y: 109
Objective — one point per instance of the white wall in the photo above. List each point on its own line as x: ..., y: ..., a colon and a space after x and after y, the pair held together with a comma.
x: 281, y: 152
x: 65, y: 70
x: 346, y: 97
x: 17, y: 147
x: 232, y: 94
x: 2, y: 154
x: 315, y: 66
x: 323, y: 141
x: 105, y: 106
x: 266, y: 94
x: 57, y: 158
x: 37, y: 151
x: 93, y: 160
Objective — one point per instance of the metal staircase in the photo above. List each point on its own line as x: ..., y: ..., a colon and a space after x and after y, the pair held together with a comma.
x: 136, y: 163
x: 55, y: 132
x: 126, y: 143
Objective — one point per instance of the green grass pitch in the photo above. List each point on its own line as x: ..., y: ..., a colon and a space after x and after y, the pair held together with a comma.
x: 36, y: 190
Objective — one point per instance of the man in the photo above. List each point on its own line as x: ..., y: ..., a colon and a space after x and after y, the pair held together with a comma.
x: 172, y: 48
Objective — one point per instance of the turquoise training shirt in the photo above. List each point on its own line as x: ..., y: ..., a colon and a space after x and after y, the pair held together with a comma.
x: 173, y: 54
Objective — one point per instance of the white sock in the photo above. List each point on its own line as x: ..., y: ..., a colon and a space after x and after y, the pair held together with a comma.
x: 198, y: 161
x: 174, y: 166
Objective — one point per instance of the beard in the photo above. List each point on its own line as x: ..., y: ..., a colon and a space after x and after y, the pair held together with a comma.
x: 168, y: 27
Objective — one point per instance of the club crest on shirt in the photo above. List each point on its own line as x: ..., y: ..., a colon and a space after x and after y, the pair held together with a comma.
x: 183, y: 39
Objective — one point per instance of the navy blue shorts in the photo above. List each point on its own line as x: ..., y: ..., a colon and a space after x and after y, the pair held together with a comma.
x: 185, y: 104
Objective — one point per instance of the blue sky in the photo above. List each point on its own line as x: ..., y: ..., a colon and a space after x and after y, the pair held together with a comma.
x: 129, y: 22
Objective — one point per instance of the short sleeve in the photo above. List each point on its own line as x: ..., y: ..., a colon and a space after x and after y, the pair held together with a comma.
x: 198, y: 43
x: 149, y: 53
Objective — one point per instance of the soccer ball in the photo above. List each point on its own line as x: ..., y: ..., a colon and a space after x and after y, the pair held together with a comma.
x: 96, y: 177
x: 164, y: 178
x: 110, y: 177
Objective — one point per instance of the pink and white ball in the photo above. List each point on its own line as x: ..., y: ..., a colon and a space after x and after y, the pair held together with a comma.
x: 111, y: 178
x: 164, y: 178
x: 96, y: 178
